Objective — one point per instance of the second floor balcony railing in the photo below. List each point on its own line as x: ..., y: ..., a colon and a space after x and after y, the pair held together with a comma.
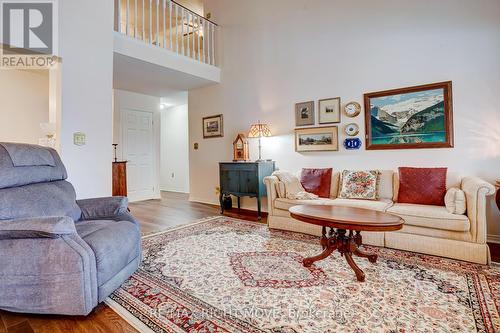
x: 169, y: 25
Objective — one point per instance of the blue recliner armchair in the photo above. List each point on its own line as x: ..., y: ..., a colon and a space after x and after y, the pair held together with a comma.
x: 58, y: 255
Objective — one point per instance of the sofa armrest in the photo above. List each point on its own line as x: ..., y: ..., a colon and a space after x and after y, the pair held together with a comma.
x: 476, y: 190
x: 39, y: 227
x: 271, y: 184
x: 106, y: 207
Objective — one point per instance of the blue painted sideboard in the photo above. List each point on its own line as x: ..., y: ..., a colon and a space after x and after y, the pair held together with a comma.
x: 244, y: 179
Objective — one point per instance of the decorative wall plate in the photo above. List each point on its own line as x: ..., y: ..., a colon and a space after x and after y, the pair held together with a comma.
x: 351, y: 129
x: 352, y: 143
x: 352, y: 109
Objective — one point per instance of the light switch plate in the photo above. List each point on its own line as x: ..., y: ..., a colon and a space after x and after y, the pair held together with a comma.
x: 79, y: 139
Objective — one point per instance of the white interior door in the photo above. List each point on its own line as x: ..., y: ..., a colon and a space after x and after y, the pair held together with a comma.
x: 138, y: 145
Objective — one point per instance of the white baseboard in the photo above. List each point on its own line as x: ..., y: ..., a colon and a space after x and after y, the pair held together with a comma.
x: 173, y: 191
x: 204, y: 201
x: 493, y: 239
x: 217, y: 203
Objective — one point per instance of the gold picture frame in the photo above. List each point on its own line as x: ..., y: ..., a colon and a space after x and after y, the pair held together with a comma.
x: 317, y: 139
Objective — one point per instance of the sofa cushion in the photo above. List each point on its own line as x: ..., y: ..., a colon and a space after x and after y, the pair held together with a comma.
x: 317, y: 181
x: 436, y: 233
x: 334, y: 187
x: 115, y: 244
x: 285, y: 204
x: 359, y: 184
x: 280, y: 189
x: 455, y: 201
x: 381, y: 205
x: 425, y: 186
x: 385, y: 186
x: 428, y: 216
x: 453, y: 179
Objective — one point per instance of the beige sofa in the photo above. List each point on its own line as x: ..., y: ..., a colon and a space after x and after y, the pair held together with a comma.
x: 427, y: 229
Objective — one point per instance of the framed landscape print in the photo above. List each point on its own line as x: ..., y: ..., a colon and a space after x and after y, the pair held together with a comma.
x: 304, y: 113
x: 316, y: 139
x: 329, y: 110
x: 213, y: 127
x: 413, y: 117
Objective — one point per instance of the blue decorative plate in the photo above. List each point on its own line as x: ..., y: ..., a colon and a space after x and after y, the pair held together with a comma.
x: 352, y: 143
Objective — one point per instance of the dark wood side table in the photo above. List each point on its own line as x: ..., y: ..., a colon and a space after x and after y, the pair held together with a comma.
x: 120, y: 178
x: 346, y: 224
x: 244, y: 179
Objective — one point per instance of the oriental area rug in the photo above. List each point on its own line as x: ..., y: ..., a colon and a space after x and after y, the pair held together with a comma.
x: 227, y: 275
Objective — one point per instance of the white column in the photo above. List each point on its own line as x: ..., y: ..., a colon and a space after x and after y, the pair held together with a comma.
x: 165, y: 24
x: 187, y: 34
x: 135, y: 19
x: 143, y: 21
x: 193, y: 22
x: 86, y: 99
x: 213, y: 44
x: 157, y: 22
x: 118, y: 15
x: 182, y: 31
x: 150, y: 21
x: 127, y: 13
x: 177, y: 28
x: 204, y: 37
x: 170, y: 24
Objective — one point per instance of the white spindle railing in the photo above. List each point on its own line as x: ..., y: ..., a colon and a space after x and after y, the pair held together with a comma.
x: 168, y: 25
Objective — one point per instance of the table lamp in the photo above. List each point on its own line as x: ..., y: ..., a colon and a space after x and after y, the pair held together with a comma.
x: 258, y: 131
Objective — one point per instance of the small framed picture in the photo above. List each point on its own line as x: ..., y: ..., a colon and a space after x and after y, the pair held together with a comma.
x: 304, y: 113
x: 329, y: 110
x: 316, y: 139
x: 213, y: 127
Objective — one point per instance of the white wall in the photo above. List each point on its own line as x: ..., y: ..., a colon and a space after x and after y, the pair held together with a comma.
x: 133, y: 101
x: 86, y: 48
x: 174, y: 173
x: 25, y: 104
x: 276, y: 53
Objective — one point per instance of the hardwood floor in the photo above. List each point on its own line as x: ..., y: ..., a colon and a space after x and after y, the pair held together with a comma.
x: 155, y: 215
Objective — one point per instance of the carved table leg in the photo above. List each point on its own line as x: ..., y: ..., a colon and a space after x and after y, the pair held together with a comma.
x: 331, y: 246
x: 346, y: 244
x: 358, y: 240
x: 359, y: 273
x: 371, y: 256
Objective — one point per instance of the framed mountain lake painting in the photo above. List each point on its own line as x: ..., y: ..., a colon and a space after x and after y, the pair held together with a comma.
x: 413, y: 117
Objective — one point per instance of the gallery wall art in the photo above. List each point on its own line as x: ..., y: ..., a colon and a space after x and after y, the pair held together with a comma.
x: 304, y: 113
x: 316, y: 139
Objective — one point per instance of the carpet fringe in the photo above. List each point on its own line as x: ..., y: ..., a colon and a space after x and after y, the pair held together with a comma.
x: 156, y: 233
x: 127, y: 316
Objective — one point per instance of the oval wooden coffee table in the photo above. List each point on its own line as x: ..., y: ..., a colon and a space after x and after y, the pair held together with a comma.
x: 340, y: 220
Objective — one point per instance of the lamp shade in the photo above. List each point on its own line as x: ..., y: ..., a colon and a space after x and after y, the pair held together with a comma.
x: 259, y: 130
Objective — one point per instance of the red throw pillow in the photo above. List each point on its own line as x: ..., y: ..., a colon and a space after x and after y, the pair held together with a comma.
x: 424, y: 186
x: 317, y: 181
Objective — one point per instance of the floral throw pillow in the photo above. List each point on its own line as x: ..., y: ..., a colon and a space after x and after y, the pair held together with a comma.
x: 362, y: 184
